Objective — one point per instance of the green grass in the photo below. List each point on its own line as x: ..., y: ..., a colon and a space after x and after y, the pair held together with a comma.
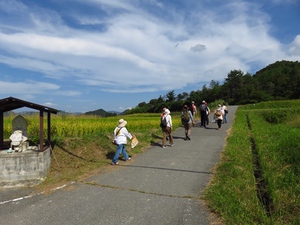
x: 233, y: 191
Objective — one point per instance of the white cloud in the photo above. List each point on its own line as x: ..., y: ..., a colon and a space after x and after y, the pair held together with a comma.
x: 50, y: 104
x: 294, y: 48
x: 24, y: 87
x: 134, y: 49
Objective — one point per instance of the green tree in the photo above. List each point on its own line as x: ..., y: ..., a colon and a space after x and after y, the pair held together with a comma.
x: 235, y: 84
x: 171, y: 96
x: 182, y: 96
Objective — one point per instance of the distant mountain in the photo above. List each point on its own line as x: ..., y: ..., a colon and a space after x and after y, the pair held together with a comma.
x: 12, y: 113
x: 115, y: 112
x: 101, y: 112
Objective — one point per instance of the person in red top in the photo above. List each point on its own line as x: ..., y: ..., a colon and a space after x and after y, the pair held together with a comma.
x: 193, y: 110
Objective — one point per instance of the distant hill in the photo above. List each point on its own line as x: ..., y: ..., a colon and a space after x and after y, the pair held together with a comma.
x: 12, y: 113
x: 115, y: 112
x: 279, y: 80
x: 101, y: 112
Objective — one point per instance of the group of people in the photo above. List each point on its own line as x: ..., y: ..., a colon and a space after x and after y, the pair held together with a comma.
x: 188, y: 116
x: 219, y: 116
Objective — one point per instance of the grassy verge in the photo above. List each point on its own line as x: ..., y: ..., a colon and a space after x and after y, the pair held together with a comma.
x: 257, y: 179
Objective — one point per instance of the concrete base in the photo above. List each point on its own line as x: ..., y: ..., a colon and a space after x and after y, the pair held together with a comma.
x: 23, y: 169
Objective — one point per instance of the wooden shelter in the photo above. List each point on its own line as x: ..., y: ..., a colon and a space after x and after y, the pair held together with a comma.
x: 10, y: 103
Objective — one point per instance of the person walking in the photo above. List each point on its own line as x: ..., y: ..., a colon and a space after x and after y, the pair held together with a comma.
x: 207, y: 114
x: 218, y: 114
x: 203, y: 111
x: 163, y: 123
x: 224, y: 107
x: 120, y: 138
x: 193, y: 110
x: 166, y: 125
x: 187, y: 120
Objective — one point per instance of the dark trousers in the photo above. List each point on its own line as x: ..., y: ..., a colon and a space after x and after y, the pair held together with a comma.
x: 219, y: 122
x: 203, y: 118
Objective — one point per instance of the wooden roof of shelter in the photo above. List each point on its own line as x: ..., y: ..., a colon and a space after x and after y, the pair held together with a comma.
x: 11, y: 103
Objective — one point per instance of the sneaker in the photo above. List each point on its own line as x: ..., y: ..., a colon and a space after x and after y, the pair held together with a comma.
x: 172, y: 145
x: 164, y: 146
x: 113, y: 164
x: 188, y: 137
x: 128, y: 159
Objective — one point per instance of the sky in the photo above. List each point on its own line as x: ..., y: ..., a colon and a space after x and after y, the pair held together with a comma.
x: 84, y: 55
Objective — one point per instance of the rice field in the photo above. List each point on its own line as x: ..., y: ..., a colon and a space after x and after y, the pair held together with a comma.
x: 79, y: 126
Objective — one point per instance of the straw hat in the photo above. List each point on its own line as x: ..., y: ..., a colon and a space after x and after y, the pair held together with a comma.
x: 167, y: 111
x: 122, y: 123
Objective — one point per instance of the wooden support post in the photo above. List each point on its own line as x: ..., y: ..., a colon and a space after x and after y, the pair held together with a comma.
x: 41, y: 131
x: 49, y: 128
x: 1, y: 130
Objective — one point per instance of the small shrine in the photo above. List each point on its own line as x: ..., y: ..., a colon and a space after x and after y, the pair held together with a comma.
x: 20, y: 163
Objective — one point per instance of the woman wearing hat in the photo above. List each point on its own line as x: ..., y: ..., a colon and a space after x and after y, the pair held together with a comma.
x: 167, y: 131
x: 120, y: 136
x: 219, y: 116
x: 203, y: 113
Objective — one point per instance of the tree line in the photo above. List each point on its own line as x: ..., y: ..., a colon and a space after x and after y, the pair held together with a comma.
x: 277, y: 81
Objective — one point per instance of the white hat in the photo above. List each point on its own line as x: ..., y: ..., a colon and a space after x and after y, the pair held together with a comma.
x: 122, y: 123
x: 167, y: 111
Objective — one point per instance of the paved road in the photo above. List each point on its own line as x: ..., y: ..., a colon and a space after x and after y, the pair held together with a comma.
x: 160, y: 186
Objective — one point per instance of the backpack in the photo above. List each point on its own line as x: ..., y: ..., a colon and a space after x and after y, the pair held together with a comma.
x: 203, y: 107
x: 163, y: 122
x: 186, y: 116
x: 218, y: 113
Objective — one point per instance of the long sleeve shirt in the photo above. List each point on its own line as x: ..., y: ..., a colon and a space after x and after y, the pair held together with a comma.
x: 121, y: 135
x: 169, y: 120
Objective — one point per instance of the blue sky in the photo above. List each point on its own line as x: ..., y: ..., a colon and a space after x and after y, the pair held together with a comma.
x: 83, y: 55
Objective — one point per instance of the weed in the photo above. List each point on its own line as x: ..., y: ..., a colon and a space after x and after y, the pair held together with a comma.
x: 270, y: 147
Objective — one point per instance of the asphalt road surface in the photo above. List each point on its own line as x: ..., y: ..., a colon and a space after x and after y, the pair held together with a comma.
x: 160, y: 186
